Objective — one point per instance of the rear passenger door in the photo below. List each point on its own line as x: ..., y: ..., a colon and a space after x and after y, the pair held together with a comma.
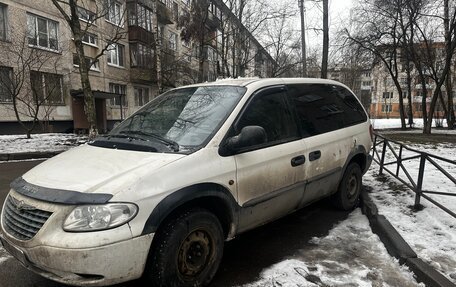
x: 270, y: 176
x: 323, y: 113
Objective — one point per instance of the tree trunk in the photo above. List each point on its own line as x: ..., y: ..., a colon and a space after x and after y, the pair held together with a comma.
x: 409, y: 93
x: 324, y: 61
x: 89, y: 101
x: 401, y: 109
x: 448, y: 86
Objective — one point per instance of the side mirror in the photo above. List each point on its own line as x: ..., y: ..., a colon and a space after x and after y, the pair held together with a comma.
x: 249, y: 136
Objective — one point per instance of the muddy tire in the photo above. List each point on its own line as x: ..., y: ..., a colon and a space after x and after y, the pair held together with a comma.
x: 186, y: 251
x: 347, y: 195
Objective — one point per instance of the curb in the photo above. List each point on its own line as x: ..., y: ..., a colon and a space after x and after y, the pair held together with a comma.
x: 397, y: 247
x: 28, y: 155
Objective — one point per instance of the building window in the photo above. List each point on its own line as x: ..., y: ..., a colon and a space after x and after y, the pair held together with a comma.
x: 120, y: 90
x: 141, y: 56
x: 175, y: 11
x: 90, y: 39
x: 114, y: 12
x: 3, y: 22
x: 168, y: 3
x: 172, y: 41
x: 42, y: 32
x: 387, y: 95
x: 387, y: 108
x: 139, y: 15
x: 115, y: 54
x: 86, y: 15
x: 94, y: 67
x: 47, y: 87
x: 141, y: 96
x: 5, y: 84
x: 210, y: 53
x: 161, y: 33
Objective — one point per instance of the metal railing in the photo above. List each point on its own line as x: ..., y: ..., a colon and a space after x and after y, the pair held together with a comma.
x: 416, y: 185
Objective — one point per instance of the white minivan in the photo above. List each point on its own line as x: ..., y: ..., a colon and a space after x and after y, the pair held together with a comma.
x: 158, y: 196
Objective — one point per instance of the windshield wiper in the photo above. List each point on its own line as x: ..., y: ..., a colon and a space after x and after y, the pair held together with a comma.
x: 170, y: 143
x: 123, y: 136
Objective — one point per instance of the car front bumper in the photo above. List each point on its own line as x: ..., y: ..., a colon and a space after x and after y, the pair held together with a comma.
x: 98, y: 266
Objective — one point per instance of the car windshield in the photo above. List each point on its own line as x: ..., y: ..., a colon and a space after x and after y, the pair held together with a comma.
x: 181, y: 119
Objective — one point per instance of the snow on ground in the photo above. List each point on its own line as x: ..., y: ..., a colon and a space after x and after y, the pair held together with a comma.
x: 431, y: 232
x: 382, y: 124
x: 39, y: 142
x: 350, y: 255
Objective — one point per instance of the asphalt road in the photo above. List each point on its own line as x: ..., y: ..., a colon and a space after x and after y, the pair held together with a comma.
x: 244, y: 257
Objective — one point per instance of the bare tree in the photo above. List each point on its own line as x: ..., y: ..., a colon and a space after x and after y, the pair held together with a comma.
x: 381, y: 28
x: 252, y: 17
x: 194, y: 29
x: 72, y: 11
x: 32, y: 85
x: 451, y: 120
x: 283, y: 45
x: 434, y: 62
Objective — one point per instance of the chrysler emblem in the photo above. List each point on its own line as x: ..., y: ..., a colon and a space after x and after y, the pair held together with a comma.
x: 20, y: 205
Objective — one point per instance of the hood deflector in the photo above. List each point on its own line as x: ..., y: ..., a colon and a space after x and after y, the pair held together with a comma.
x: 58, y: 195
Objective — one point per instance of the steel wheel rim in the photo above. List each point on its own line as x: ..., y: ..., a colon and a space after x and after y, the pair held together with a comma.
x: 352, y: 186
x: 195, y: 253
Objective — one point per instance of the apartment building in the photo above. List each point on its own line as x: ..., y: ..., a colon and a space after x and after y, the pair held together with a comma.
x: 142, y: 55
x: 385, y: 96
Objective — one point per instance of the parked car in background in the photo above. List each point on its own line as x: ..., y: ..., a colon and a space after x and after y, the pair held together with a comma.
x: 196, y: 166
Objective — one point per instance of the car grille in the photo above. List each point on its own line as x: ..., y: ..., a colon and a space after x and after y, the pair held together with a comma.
x: 23, y: 221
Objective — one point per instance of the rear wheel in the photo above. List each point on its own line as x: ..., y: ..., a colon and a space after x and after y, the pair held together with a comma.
x: 347, y: 195
x: 187, y: 250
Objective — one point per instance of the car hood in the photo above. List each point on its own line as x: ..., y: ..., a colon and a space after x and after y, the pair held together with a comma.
x: 86, y: 168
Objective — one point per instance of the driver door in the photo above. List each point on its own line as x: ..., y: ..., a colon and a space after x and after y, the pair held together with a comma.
x: 270, y: 176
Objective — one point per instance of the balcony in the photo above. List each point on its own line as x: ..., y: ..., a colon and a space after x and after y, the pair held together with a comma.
x: 164, y: 14
x: 143, y: 75
x: 212, y: 21
x: 139, y: 34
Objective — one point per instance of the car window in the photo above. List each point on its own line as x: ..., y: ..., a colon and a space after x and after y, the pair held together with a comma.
x: 324, y: 108
x: 270, y: 111
x: 186, y: 117
x: 353, y: 111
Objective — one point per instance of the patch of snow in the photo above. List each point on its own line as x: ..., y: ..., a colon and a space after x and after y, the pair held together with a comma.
x: 350, y: 255
x: 379, y: 124
x: 431, y: 232
x: 39, y: 142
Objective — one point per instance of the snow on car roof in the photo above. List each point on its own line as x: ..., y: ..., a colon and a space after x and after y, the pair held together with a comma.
x: 247, y: 81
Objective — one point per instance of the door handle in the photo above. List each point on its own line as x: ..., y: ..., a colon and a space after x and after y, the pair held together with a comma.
x: 314, y: 155
x: 299, y: 160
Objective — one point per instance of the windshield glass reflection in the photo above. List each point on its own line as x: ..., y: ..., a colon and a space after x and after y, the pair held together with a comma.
x: 182, y: 118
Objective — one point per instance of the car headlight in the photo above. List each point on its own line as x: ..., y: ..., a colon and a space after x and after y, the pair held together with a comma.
x: 99, y: 217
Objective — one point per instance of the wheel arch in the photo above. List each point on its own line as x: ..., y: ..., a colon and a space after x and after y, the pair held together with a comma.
x: 359, y: 156
x: 211, y: 196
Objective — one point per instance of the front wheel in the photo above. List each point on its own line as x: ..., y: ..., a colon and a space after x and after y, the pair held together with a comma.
x: 187, y: 250
x: 347, y: 195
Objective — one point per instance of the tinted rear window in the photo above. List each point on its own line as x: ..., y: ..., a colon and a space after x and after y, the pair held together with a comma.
x: 324, y: 108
